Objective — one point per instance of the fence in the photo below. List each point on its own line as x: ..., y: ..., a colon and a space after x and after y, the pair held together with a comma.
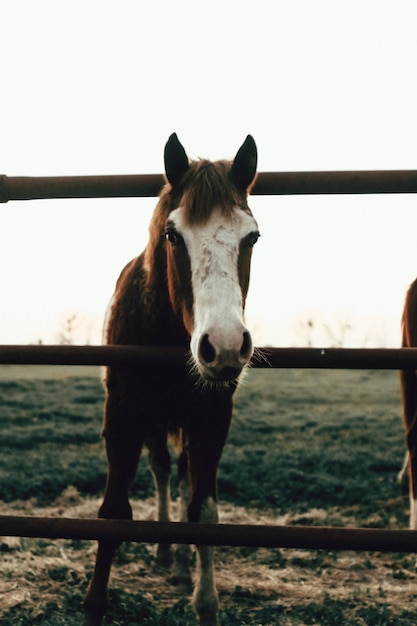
x: 269, y: 183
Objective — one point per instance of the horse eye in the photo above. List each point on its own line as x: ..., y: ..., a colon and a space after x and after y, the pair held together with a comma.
x: 173, y: 237
x: 252, y: 238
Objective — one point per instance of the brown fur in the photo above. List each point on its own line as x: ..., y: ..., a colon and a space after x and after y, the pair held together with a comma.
x: 152, y: 305
x: 408, y: 379
x: 207, y: 185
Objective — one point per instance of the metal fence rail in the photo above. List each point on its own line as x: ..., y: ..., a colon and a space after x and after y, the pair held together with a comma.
x: 309, y: 537
x: 149, y: 185
x: 267, y: 183
x: 148, y: 356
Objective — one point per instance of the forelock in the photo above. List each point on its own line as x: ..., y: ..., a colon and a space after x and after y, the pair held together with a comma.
x: 207, y: 186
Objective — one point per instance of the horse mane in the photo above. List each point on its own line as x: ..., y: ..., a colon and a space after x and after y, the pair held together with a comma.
x: 205, y: 185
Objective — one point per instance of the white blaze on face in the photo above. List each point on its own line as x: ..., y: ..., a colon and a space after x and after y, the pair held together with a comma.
x: 220, y: 342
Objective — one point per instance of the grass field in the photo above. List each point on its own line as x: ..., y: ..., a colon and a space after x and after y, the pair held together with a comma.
x: 306, y: 447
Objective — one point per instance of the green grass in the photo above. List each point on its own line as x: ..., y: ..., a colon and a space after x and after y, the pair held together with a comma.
x: 311, y: 438
x: 301, y: 441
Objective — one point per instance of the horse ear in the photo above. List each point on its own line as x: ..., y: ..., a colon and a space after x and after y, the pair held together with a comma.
x: 176, y: 160
x: 244, y: 165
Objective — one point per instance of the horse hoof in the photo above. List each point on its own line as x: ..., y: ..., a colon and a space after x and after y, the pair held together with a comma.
x: 208, y: 620
x: 93, y: 613
x: 181, y: 580
x: 91, y: 620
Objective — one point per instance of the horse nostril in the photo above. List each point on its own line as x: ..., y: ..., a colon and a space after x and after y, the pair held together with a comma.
x: 207, y: 351
x: 246, y: 348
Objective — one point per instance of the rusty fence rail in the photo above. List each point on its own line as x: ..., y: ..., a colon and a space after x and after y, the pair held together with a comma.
x: 265, y: 358
x: 149, y: 185
x: 268, y: 536
x: 308, y: 537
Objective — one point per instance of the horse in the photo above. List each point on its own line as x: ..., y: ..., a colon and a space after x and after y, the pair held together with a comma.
x: 408, y: 381
x: 188, y: 288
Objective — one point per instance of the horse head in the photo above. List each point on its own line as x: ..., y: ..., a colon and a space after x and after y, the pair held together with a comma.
x: 210, y: 232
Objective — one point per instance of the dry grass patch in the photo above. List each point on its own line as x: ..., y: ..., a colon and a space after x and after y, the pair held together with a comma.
x: 43, y: 581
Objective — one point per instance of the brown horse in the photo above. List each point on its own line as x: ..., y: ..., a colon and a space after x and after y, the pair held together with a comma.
x: 188, y: 288
x: 408, y: 380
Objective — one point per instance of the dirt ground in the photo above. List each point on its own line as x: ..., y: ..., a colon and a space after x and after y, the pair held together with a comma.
x: 38, y: 574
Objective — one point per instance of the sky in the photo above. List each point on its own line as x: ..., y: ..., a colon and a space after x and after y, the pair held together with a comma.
x: 95, y: 88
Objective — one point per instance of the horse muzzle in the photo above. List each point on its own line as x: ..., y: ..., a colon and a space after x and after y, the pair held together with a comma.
x: 221, y: 355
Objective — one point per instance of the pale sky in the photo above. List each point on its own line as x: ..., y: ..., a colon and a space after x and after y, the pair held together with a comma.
x: 94, y: 87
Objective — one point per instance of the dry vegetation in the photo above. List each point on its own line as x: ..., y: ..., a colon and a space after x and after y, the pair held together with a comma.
x: 322, y: 448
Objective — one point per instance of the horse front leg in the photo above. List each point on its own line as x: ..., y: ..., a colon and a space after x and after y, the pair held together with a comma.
x: 123, y: 447
x: 204, y: 454
x: 205, y: 597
